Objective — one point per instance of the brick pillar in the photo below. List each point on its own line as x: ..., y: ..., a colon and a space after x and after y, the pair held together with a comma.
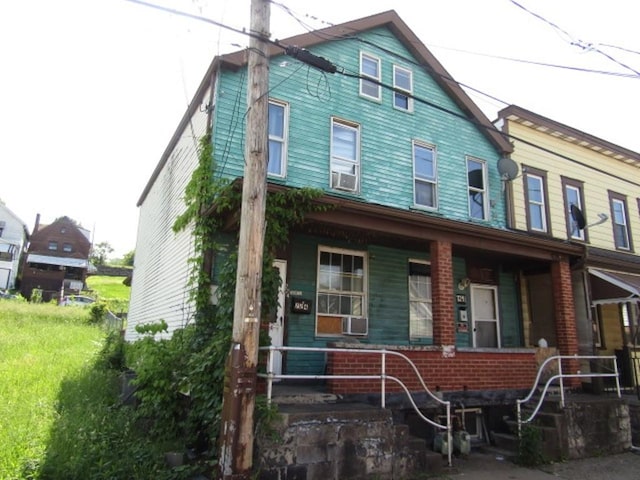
x: 442, y: 293
x: 565, y: 316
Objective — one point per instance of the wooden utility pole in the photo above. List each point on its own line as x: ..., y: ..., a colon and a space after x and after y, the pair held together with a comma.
x: 236, y: 436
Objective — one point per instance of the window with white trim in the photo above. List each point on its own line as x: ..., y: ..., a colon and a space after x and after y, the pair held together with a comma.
x: 619, y: 217
x: 573, y: 196
x: 345, y: 155
x: 420, y: 305
x: 424, y: 175
x: 536, y: 199
x: 477, y: 188
x: 278, y: 120
x: 341, y: 288
x: 403, y: 81
x: 370, y: 69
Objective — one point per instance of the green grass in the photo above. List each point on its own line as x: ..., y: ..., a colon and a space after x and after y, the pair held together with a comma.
x: 40, y: 344
x: 111, y: 290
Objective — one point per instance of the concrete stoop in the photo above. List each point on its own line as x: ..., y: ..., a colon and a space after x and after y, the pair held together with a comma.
x: 342, y: 441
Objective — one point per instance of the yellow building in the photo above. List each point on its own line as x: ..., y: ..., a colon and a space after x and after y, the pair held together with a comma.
x: 579, y: 188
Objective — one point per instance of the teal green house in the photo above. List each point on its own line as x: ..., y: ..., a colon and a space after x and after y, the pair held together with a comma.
x: 416, y: 253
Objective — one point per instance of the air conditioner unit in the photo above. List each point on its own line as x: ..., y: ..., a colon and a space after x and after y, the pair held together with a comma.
x: 355, y: 326
x: 344, y: 181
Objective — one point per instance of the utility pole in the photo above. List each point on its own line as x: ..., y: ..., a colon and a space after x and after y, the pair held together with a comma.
x: 236, y: 434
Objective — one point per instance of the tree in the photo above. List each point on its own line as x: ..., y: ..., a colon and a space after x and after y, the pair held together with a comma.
x: 127, y: 258
x: 99, y: 253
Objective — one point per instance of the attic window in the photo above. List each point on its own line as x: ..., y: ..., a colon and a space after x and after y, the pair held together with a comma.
x: 63, y: 230
x: 370, y: 68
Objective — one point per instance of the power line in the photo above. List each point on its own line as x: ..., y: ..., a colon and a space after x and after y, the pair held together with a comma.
x: 587, y: 46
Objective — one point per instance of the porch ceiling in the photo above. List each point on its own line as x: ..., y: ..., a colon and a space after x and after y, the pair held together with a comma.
x: 614, y: 286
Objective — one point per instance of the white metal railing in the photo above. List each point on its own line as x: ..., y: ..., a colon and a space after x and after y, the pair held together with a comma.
x: 561, y: 376
x: 382, y: 376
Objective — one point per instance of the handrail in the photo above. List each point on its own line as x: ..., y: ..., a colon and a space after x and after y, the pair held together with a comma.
x: 270, y: 376
x: 561, y: 376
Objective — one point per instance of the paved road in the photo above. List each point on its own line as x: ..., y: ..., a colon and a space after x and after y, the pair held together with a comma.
x: 488, y: 466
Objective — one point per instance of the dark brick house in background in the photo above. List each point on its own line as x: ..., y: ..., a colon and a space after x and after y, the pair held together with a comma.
x: 57, y: 260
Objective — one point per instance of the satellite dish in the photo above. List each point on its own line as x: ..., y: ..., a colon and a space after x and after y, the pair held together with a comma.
x: 507, y: 168
x: 578, y: 216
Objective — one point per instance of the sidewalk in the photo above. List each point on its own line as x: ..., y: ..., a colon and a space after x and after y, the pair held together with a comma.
x: 491, y: 466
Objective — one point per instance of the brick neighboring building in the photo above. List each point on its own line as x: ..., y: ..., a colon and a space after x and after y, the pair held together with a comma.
x: 57, y: 260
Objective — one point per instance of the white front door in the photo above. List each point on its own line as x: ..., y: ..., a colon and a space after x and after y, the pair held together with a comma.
x: 276, y: 328
x: 484, y: 316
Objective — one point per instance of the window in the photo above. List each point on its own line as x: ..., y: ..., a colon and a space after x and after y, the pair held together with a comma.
x: 345, y: 155
x: 477, y: 190
x: 619, y: 216
x: 341, y: 288
x: 370, y: 68
x: 573, y: 196
x: 424, y: 175
x: 420, y: 311
x: 402, y: 80
x: 535, y: 193
x: 53, y: 245
x: 2, y: 226
x: 277, y: 139
x: 67, y: 247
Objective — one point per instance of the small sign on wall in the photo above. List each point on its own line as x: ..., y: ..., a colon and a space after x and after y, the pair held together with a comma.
x: 300, y: 305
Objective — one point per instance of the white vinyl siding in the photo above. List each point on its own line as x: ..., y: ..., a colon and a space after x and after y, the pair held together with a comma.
x: 160, y: 287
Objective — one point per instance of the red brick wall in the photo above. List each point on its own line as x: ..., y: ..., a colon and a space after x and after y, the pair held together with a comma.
x: 470, y: 370
x: 566, y: 332
x: 442, y: 293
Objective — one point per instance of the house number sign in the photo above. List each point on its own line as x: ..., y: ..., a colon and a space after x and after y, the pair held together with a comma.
x: 300, y: 305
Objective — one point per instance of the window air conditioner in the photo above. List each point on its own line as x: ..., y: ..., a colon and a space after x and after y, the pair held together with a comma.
x: 344, y: 181
x: 354, y: 326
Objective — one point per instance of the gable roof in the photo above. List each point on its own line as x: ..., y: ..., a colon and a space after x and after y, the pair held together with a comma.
x: 389, y: 19
x: 535, y: 121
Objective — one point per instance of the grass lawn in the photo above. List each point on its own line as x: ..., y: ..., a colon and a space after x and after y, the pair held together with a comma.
x: 40, y: 344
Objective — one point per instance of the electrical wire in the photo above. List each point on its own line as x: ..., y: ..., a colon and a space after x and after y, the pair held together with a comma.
x: 587, y: 46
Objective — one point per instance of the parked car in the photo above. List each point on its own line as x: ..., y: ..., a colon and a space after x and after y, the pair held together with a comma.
x: 77, y: 300
x: 7, y: 296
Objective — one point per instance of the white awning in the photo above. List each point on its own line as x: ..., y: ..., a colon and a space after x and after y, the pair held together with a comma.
x: 625, y: 282
x: 62, y: 261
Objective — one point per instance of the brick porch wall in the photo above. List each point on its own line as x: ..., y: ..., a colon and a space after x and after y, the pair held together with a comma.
x: 566, y: 331
x: 471, y: 370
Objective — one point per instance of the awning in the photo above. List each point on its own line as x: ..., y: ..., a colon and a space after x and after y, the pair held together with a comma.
x: 62, y: 261
x: 620, y: 287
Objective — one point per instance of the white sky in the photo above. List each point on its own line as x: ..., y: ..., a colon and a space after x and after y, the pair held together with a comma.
x: 92, y: 90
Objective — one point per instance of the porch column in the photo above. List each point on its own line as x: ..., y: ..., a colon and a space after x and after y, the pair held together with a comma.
x: 565, y: 316
x: 442, y: 293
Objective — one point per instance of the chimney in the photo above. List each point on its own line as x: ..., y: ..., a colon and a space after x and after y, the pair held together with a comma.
x: 37, y: 225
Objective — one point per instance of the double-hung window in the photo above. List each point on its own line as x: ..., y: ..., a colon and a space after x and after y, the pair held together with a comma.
x: 619, y: 218
x: 342, y: 290
x: 403, y: 84
x: 477, y: 188
x: 53, y: 245
x: 573, y: 201
x: 424, y: 175
x: 420, y: 306
x: 345, y: 155
x: 277, y: 139
x: 536, y: 199
x: 370, y: 76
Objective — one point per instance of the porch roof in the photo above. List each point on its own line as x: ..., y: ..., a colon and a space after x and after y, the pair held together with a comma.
x: 625, y: 284
x: 62, y: 261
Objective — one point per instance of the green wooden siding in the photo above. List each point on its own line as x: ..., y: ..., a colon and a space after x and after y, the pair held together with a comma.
x: 386, y: 133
